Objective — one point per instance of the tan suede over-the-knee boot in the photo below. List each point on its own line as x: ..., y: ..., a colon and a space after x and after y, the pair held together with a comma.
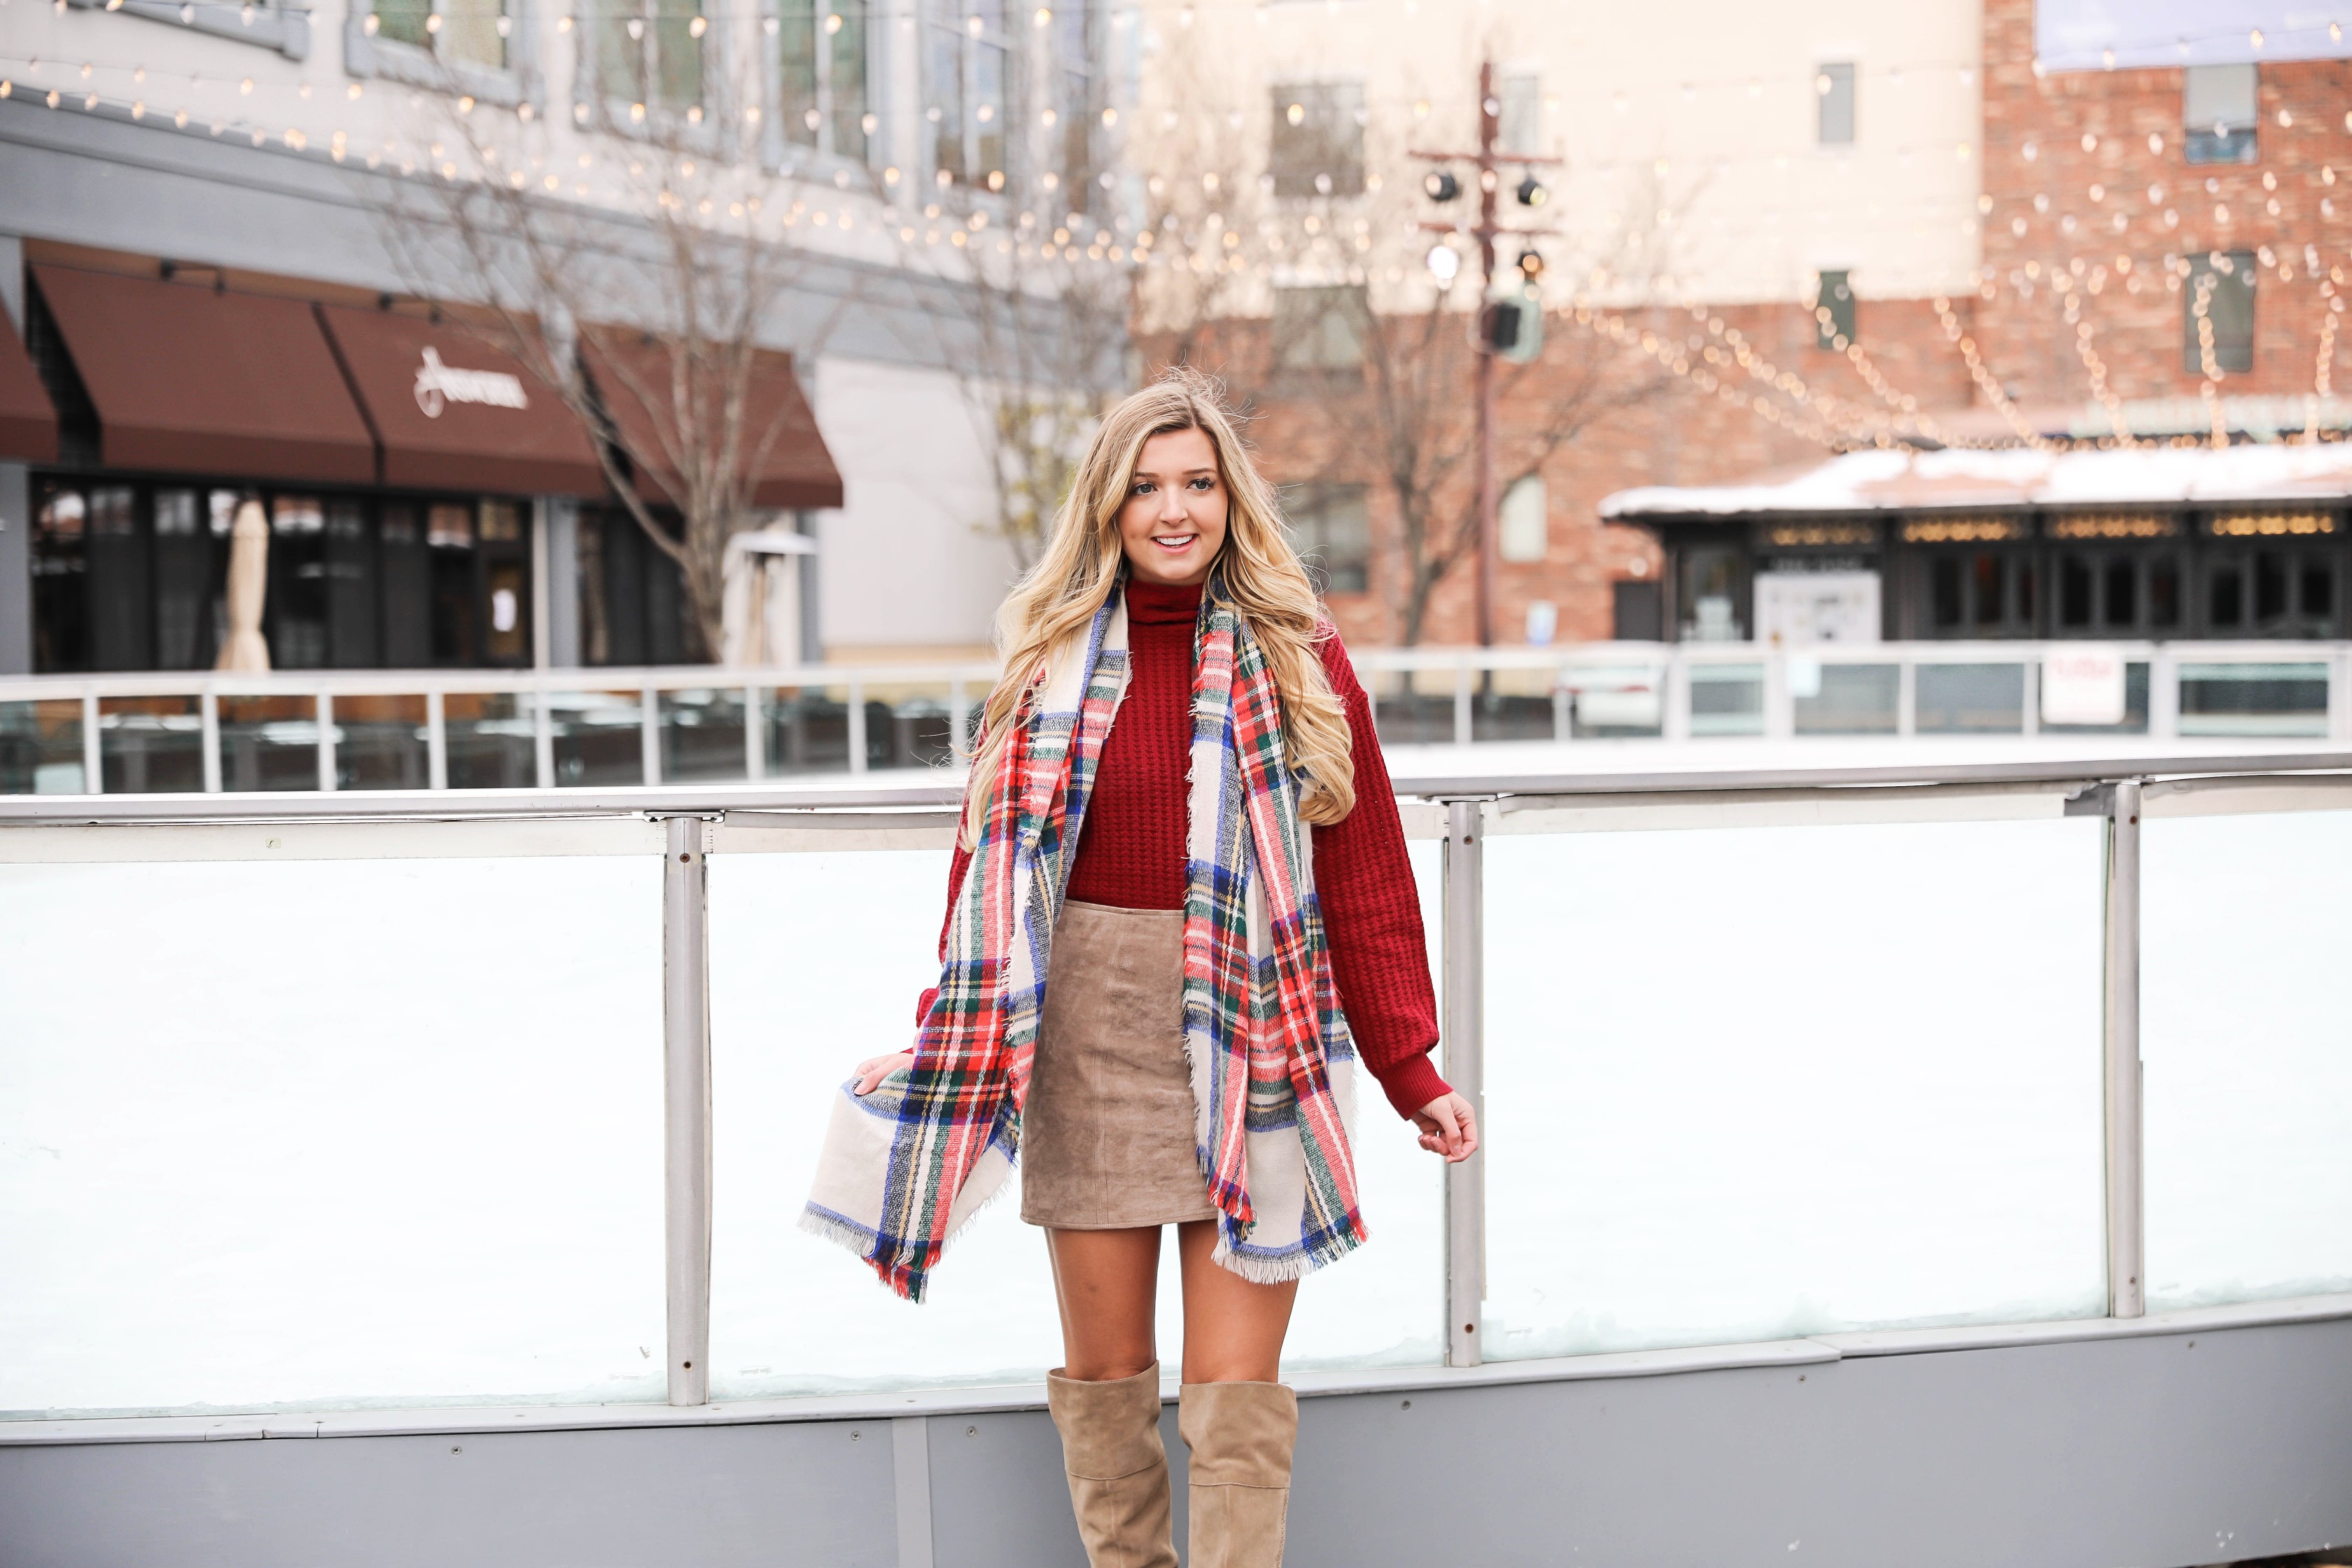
x: 1241, y: 1435
x: 1118, y: 1468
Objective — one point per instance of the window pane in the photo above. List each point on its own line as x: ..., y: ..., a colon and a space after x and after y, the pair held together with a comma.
x: 2253, y: 699
x: 61, y: 581
x: 2217, y: 309
x: 491, y: 738
x: 702, y: 735
x: 599, y: 737
x: 1834, y: 84
x: 1844, y: 698
x: 151, y: 744
x: 352, y: 590
x: 120, y: 622
x: 846, y: 86
x: 1521, y: 522
x: 296, y: 609
x: 2218, y: 113
x: 1317, y: 142
x: 189, y: 575
x: 268, y: 742
x: 1856, y: 1084
x: 807, y: 729
x: 470, y: 32
x: 407, y: 589
x: 678, y: 52
x: 1833, y: 313
x: 621, y: 53
x: 1320, y: 328
x: 1521, y: 126
x: 988, y: 113
x: 943, y: 90
x: 796, y: 71
x: 1971, y: 699
x: 41, y: 748
x: 403, y: 21
x: 2248, y: 1079
x: 449, y: 534
x: 380, y: 743
x: 411, y: 1154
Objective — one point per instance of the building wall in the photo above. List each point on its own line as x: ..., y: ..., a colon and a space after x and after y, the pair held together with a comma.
x: 2050, y: 139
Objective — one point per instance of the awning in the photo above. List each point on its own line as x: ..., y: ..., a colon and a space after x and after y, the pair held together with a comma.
x: 632, y: 371
x: 192, y: 380
x: 28, y: 426
x: 1878, y: 481
x: 453, y: 413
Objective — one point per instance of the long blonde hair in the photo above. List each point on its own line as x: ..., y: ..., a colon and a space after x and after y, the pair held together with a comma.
x: 1056, y: 599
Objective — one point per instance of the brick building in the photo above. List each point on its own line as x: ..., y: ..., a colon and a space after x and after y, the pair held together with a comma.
x: 2083, y: 214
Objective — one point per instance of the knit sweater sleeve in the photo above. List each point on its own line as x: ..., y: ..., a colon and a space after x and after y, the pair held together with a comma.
x: 1371, y: 914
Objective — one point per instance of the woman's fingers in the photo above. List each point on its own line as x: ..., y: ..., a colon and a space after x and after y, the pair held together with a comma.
x: 870, y: 1072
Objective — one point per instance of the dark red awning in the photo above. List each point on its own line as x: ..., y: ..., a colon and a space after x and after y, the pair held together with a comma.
x: 193, y: 380
x: 454, y: 413
x: 633, y: 375
x: 28, y: 424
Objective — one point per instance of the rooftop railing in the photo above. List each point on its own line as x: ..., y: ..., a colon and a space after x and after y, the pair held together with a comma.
x: 319, y: 1105
x: 621, y: 728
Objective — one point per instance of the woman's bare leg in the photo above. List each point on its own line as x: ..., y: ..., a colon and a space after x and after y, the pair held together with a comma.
x: 1234, y: 1327
x: 1106, y: 1282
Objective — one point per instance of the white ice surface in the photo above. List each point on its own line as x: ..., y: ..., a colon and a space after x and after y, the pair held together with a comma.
x: 330, y: 1133
x: 1748, y: 1084
x: 2245, y: 926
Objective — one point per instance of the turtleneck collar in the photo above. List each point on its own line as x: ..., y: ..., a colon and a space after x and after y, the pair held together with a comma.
x: 1162, y: 604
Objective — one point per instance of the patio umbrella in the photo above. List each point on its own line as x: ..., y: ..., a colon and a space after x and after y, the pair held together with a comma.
x: 248, y: 581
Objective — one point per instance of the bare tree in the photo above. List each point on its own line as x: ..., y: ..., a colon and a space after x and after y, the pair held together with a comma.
x: 1033, y: 323
x: 647, y: 317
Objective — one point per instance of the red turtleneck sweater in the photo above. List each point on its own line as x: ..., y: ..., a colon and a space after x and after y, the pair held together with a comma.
x: 1131, y: 851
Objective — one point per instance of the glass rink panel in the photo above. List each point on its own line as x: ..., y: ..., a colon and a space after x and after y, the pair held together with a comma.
x: 1757, y: 1082
x: 2246, y: 1056
x: 326, y: 1133
x: 817, y: 960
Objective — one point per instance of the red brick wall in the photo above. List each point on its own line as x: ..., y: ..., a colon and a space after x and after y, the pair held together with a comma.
x: 2285, y: 201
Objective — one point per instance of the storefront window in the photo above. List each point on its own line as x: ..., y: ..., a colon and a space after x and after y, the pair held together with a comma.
x: 129, y: 578
x: 449, y: 535
x: 1710, y: 603
x: 296, y: 613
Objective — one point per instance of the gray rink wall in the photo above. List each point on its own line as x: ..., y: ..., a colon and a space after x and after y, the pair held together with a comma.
x: 2160, y: 1452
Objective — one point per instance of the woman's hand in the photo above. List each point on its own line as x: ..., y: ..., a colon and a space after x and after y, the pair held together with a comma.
x: 1448, y: 1127
x: 874, y: 1070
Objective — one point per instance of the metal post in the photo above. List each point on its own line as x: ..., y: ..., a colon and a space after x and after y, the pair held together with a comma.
x: 92, y: 763
x: 208, y: 705
x: 960, y: 715
x: 2126, y: 1227
x: 542, y: 736
x: 2031, y: 703
x: 2163, y: 695
x: 436, y: 741
x: 755, y: 737
x: 1462, y: 723
x: 1907, y: 698
x: 1465, y: 1069
x: 685, y: 1104
x: 1675, y: 682
x: 326, y: 741
x: 1563, y: 717
x: 857, y: 726
x: 649, y: 735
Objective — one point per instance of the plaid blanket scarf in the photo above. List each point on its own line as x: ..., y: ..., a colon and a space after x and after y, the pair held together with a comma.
x: 905, y: 1167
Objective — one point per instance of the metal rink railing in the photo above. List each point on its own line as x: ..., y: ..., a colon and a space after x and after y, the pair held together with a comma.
x: 515, y: 1099
x: 618, y: 728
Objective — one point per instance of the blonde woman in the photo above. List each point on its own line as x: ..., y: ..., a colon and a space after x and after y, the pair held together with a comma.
x: 1179, y: 909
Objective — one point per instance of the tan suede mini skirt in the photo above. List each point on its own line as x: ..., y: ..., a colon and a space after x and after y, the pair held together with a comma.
x: 1107, y: 1133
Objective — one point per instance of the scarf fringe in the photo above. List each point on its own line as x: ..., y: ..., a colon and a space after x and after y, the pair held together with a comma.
x: 859, y: 1241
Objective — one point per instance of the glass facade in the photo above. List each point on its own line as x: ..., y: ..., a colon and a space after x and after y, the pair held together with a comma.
x: 132, y: 576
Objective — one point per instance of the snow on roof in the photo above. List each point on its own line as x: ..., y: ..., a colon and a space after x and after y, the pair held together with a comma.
x: 2016, y: 477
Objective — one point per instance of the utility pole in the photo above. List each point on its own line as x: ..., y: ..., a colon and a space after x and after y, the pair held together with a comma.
x: 1488, y: 161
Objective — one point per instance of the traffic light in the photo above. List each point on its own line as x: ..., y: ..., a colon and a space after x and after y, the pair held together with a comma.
x: 1530, y: 192
x: 1511, y: 323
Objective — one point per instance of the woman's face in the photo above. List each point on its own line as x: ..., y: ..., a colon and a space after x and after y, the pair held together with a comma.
x: 1173, y: 522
